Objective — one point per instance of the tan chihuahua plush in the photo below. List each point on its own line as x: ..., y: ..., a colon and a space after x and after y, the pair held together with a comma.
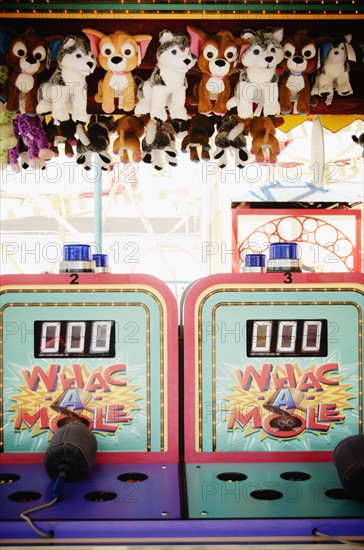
x: 118, y: 53
x: 130, y: 130
x: 263, y: 129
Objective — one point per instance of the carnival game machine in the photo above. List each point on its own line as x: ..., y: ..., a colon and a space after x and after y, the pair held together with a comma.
x: 273, y: 389
x: 89, y: 427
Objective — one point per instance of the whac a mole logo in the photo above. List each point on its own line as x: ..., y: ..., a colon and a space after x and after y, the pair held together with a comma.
x: 285, y: 402
x: 103, y: 396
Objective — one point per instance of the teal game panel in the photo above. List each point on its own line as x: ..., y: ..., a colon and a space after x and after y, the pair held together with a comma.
x: 88, y: 350
x: 273, y: 382
x: 272, y: 368
x: 282, y: 490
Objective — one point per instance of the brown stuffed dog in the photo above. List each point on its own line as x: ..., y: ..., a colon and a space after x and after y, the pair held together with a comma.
x: 300, y: 60
x: 130, y: 130
x: 263, y: 129
x: 217, y: 58
x: 63, y: 133
x: 200, y: 128
x: 118, y: 53
x: 28, y: 55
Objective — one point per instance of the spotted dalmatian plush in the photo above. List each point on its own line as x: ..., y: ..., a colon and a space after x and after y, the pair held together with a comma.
x: 65, y: 94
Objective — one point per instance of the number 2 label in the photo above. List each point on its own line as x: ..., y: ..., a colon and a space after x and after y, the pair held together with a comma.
x: 74, y: 279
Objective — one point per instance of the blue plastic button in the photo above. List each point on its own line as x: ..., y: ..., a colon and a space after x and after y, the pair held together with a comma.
x: 283, y: 251
x: 101, y: 260
x: 77, y: 253
x: 255, y: 260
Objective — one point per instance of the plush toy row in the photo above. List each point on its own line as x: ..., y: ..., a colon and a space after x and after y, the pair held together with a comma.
x: 29, y: 141
x: 275, y: 74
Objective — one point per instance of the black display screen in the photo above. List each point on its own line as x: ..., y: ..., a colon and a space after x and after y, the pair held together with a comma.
x: 74, y: 338
x: 287, y: 338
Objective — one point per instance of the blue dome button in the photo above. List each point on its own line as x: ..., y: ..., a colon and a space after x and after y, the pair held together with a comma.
x: 76, y: 252
x: 255, y: 260
x: 283, y: 251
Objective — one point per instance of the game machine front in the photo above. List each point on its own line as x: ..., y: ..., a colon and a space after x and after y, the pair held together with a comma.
x: 89, y: 415
x: 273, y: 385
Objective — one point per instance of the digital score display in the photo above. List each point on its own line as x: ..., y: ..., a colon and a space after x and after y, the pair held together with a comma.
x: 74, y: 339
x: 291, y: 338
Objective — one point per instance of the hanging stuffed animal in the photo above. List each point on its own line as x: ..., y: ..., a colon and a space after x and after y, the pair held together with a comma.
x: 166, y: 88
x: 333, y: 74
x: 258, y: 80
x: 119, y: 54
x: 159, y: 143
x: 7, y: 137
x: 95, y: 140
x: 65, y: 93
x: 29, y: 130
x: 28, y: 55
x: 360, y: 141
x: 4, y: 76
x: 61, y: 134
x: 130, y: 130
x: 217, y: 58
x: 230, y: 136
x: 263, y: 130
x: 200, y: 128
x: 300, y: 61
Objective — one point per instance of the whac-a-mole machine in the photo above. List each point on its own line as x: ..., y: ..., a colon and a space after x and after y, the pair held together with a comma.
x: 100, y: 349
x: 272, y: 384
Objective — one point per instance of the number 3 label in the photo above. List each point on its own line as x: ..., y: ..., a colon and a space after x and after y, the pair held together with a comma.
x: 288, y: 278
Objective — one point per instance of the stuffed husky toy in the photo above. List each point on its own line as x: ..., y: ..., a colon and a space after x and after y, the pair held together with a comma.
x: 95, y: 140
x: 333, y: 73
x: 65, y: 93
x: 258, y: 81
x: 159, y: 142
x: 231, y: 137
x: 166, y: 88
x: 119, y: 54
x: 300, y: 61
x: 217, y: 59
x: 28, y: 55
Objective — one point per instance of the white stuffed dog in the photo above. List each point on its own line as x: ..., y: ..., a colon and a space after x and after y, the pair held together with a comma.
x: 334, y: 71
x: 65, y: 94
x: 159, y: 144
x: 258, y: 81
x: 166, y: 88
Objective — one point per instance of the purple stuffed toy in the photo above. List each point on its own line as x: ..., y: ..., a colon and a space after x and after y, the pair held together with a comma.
x: 29, y: 130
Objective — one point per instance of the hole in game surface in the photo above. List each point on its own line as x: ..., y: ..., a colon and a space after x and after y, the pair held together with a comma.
x: 266, y: 494
x: 295, y: 476
x: 337, y: 493
x: 231, y: 476
x: 24, y: 496
x: 100, y: 496
x: 132, y: 478
x: 9, y: 478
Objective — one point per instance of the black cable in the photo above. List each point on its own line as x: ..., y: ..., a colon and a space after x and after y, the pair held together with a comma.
x: 57, y: 493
